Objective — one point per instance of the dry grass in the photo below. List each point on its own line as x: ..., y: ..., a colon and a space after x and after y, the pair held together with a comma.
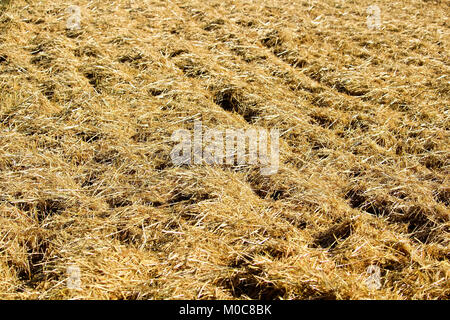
x: 85, y: 175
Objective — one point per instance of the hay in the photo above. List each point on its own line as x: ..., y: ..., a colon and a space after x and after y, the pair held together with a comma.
x: 86, y: 180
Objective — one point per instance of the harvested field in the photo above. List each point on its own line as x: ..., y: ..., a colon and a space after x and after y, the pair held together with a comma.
x: 87, y: 182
